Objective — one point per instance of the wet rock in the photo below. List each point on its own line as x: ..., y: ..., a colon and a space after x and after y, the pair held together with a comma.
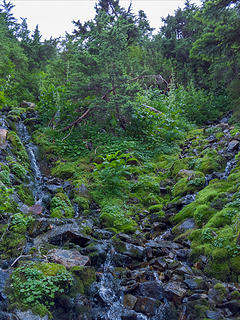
x: 4, y: 276
x: 188, y: 224
x: 184, y: 269
x: 198, y: 296
x: 129, y: 301
x: 233, y: 306
x: 159, y: 263
x: 40, y: 226
x: 127, y: 238
x: 97, y: 251
x: 28, y: 315
x: 82, y: 191
x: 146, y: 305
x: 3, y: 138
x: 183, y: 253
x: 214, y: 315
x: 58, y: 235
x: 129, y: 249
x: 233, y: 145
x: 151, y: 289
x: 191, y: 283
x: 68, y: 258
x: 53, y: 188
x: 129, y: 315
x: 162, y: 244
x: 36, y: 209
x: 175, y: 292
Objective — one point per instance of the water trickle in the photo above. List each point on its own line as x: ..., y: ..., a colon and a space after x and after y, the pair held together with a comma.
x: 37, y: 183
x: 3, y: 123
x: 229, y: 166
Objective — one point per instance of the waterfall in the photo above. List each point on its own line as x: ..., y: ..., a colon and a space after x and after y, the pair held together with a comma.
x: 37, y: 182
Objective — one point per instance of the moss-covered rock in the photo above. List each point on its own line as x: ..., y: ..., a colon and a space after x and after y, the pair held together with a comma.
x: 61, y: 207
x: 18, y: 148
x: 25, y: 195
x: 83, y: 279
x: 64, y: 170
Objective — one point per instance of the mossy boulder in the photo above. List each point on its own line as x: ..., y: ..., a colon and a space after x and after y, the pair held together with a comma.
x: 18, y: 148
x: 61, y: 207
x: 83, y: 277
x: 64, y: 170
x: 35, y: 286
x: 210, y: 162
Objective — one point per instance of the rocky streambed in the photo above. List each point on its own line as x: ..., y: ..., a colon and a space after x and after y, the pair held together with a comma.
x: 59, y: 262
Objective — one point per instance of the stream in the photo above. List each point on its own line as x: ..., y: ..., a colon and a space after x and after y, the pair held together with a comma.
x: 137, y: 278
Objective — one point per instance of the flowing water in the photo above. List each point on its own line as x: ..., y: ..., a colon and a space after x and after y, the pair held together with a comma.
x: 37, y: 183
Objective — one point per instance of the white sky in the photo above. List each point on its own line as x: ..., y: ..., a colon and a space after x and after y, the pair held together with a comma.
x: 54, y: 17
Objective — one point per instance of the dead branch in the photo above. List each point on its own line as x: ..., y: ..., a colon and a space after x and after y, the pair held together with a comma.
x: 151, y: 108
x: 76, y: 122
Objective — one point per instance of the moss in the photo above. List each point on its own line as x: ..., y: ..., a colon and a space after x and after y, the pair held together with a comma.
x: 49, y: 269
x: 178, y: 165
x: 235, y: 295
x: 11, y: 243
x: 235, y: 264
x: 186, y: 212
x: 5, y: 177
x: 61, y: 206
x: 64, y: 170
x: 147, y: 183
x: 25, y: 195
x: 82, y: 202
x: 203, y: 213
x: 18, y: 148
x: 210, y: 162
x: 220, y: 288
x: 155, y: 208
x: 113, y: 216
x: 17, y: 169
x: 83, y: 279
x: 222, y: 218
x: 219, y: 270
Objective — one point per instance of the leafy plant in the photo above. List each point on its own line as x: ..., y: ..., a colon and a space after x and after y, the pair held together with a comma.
x: 34, y: 284
x: 114, y: 169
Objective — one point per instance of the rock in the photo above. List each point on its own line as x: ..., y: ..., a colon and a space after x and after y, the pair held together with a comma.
x: 28, y: 104
x: 175, y: 292
x: 82, y: 191
x: 233, y: 145
x: 198, y: 296
x: 53, y: 188
x: 151, y: 289
x: 129, y: 301
x: 214, y: 315
x: 185, y: 173
x: 3, y: 138
x: 68, y: 258
x: 233, y: 306
x: 4, y: 275
x: 28, y: 315
x: 7, y: 316
x: 129, y: 315
x: 36, y: 209
x: 40, y: 226
x: 58, y: 235
x: 191, y: 283
x: 126, y: 238
x: 145, y: 305
x: 162, y: 244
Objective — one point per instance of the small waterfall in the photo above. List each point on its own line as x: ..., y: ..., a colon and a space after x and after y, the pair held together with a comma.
x: 37, y: 183
x: 3, y: 123
x: 229, y: 166
x: 111, y: 293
